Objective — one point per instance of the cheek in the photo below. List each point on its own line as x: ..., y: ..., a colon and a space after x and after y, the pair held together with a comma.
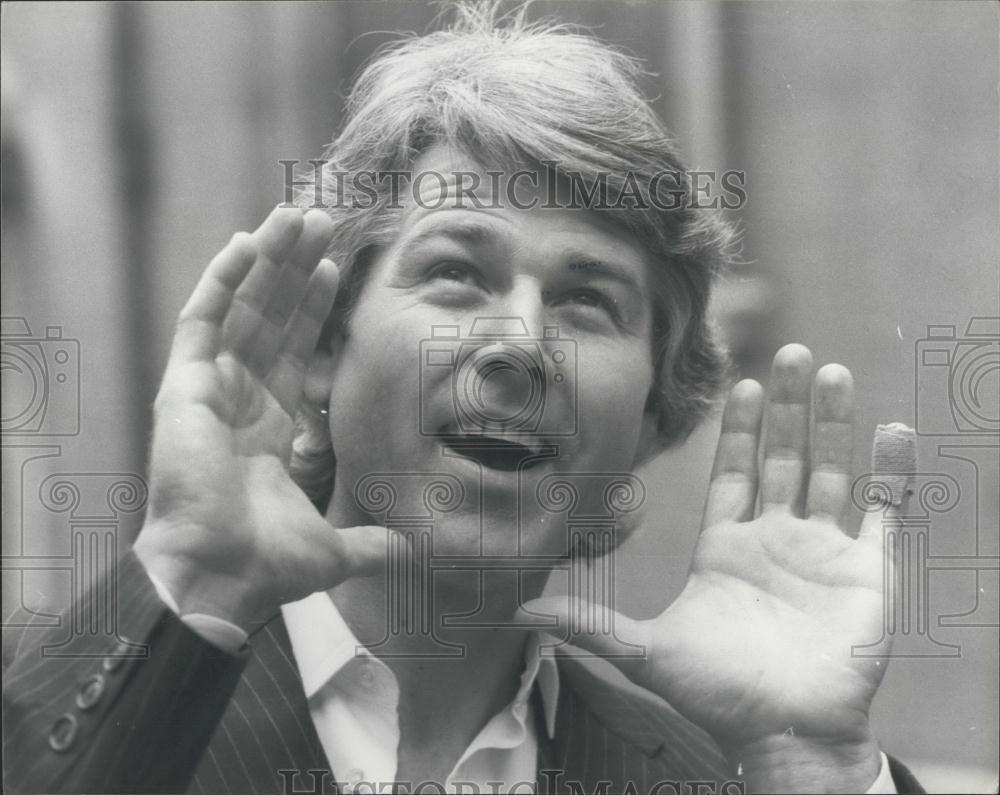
x: 373, y: 399
x: 612, y: 393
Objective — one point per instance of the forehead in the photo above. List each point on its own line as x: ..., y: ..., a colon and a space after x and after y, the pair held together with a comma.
x: 450, y: 190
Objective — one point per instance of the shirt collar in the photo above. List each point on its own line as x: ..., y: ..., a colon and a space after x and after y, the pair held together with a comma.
x: 323, y: 644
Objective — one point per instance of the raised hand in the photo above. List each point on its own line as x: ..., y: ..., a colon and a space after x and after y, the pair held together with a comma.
x: 227, y: 530
x: 757, y: 649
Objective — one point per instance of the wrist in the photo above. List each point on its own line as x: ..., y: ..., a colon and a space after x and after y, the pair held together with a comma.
x: 196, y: 590
x: 793, y: 763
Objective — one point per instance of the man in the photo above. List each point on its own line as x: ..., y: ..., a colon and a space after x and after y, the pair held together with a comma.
x: 279, y: 422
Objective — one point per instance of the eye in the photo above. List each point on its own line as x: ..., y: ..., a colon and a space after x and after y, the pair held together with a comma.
x: 591, y: 308
x: 454, y: 271
x: 589, y: 297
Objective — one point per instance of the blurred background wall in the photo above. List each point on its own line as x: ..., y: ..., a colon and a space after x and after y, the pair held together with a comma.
x: 137, y: 137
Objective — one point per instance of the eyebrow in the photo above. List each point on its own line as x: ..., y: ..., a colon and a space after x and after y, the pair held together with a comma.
x: 465, y: 232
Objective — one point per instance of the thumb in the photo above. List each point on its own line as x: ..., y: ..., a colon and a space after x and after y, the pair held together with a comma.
x: 894, y: 466
x: 360, y: 551
x: 595, y: 628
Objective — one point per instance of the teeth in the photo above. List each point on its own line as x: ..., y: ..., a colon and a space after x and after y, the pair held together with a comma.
x: 492, y: 451
x: 487, y: 438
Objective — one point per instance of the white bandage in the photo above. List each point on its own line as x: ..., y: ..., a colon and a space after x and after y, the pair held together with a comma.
x: 894, y: 459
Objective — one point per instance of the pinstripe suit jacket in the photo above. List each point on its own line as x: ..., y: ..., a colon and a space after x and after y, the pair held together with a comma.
x: 171, y: 713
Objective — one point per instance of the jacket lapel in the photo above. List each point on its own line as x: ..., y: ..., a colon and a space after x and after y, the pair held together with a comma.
x: 612, y: 737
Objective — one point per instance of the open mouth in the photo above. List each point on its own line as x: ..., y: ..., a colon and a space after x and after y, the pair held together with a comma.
x: 493, y: 452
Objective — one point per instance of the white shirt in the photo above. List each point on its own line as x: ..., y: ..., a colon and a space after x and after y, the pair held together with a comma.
x: 354, y: 699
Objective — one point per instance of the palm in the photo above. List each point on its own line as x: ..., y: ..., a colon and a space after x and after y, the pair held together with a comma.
x: 766, y: 623
x: 212, y: 451
x: 236, y: 412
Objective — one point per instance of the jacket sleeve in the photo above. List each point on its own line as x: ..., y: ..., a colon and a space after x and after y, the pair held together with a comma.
x: 129, y: 711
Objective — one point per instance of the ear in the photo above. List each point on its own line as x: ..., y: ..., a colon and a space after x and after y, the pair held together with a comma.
x: 650, y: 443
x: 319, y: 378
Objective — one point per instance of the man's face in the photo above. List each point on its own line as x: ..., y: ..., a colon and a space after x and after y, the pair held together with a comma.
x: 547, y: 372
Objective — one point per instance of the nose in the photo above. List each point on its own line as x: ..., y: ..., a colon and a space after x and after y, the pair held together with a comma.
x: 517, y: 312
x: 526, y: 300
x: 503, y: 386
x: 504, y: 383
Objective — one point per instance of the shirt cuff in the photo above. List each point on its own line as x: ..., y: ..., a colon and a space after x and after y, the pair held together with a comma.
x: 220, y: 633
x: 884, y: 785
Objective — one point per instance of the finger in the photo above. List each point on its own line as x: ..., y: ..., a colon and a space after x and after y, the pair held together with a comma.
x: 292, y: 284
x: 595, y: 628
x: 199, y: 325
x: 894, y: 466
x: 732, y: 490
x: 301, y: 336
x: 250, y: 330
x: 832, y: 443
x: 786, y: 441
x: 279, y: 232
